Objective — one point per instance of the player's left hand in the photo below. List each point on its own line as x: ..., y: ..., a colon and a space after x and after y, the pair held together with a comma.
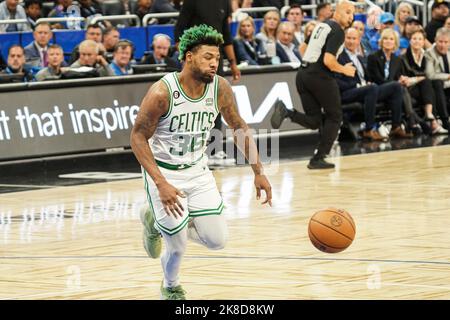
x: 261, y: 183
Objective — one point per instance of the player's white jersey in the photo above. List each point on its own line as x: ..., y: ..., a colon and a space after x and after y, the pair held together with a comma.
x: 180, y: 138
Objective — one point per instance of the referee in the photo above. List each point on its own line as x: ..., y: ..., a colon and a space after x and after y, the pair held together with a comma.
x: 317, y: 86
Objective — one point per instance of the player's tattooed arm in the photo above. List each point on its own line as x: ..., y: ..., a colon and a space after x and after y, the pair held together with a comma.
x: 243, y: 137
x: 154, y: 105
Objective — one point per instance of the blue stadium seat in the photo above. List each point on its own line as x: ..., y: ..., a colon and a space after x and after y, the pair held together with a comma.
x: 7, y: 40
x: 68, y: 39
x: 138, y: 37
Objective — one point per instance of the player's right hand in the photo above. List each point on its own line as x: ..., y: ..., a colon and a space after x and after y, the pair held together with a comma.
x: 169, y: 198
x: 349, y: 70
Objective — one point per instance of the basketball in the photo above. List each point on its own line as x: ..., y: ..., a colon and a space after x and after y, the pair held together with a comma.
x: 331, y: 230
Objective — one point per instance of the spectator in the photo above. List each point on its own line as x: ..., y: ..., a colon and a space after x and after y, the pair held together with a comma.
x: 309, y: 27
x: 384, y: 67
x: 286, y: 50
x: 9, y: 10
x: 247, y: 47
x: 143, y: 8
x: 36, y: 54
x: 66, y: 9
x: 89, y: 9
x: 364, y: 48
x: 163, y: 6
x: 55, y: 64
x: 404, y: 10
x: 91, y: 57
x: 268, y: 32
x: 242, y: 4
x: 295, y: 15
x: 439, y: 13
x: 447, y: 22
x: 123, y: 54
x: 33, y: 9
x: 160, y: 52
x: 412, y: 25
x: 420, y: 87
x: 111, y: 37
x: 359, y: 89
x: 437, y: 69
x: 386, y: 22
x: 16, y: 63
x: 95, y: 33
x: 324, y: 11
x: 373, y: 21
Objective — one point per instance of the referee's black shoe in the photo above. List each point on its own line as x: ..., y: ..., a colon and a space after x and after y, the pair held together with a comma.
x: 279, y: 114
x: 319, y: 163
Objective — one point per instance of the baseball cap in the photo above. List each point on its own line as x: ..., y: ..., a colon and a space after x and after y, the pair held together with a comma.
x: 437, y: 3
x: 386, y: 17
x: 412, y: 19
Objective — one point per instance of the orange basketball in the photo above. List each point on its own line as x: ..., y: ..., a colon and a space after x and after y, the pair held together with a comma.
x: 331, y: 230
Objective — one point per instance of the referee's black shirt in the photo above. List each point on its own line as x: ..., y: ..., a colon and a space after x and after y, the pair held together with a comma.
x: 327, y: 36
x: 213, y: 13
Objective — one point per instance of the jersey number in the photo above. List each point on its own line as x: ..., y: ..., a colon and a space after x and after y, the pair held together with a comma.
x: 318, y: 32
x: 188, y: 143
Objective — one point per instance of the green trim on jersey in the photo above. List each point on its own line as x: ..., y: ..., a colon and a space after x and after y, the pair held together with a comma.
x: 206, y: 212
x: 170, y: 99
x: 169, y: 166
x: 175, y: 75
x: 216, y: 93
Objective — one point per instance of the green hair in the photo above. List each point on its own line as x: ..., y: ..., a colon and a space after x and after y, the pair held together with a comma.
x: 196, y: 36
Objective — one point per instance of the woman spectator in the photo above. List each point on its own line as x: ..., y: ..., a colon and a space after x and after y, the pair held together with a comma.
x: 268, y: 34
x: 383, y: 66
x: 309, y: 27
x: 404, y: 10
x: 246, y: 46
x: 419, y: 86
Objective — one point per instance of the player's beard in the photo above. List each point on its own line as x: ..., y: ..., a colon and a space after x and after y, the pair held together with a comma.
x: 200, y: 75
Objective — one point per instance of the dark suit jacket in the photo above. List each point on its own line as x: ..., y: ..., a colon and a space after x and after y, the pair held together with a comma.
x: 150, y: 59
x: 375, y: 68
x: 344, y: 82
x: 283, y: 56
x: 32, y: 55
x: 244, y: 52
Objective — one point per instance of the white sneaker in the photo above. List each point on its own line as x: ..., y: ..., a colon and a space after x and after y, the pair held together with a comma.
x: 220, y: 159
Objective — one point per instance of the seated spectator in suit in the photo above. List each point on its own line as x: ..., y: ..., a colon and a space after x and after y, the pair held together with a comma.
x: 16, y: 63
x: 246, y: 46
x: 90, y: 57
x: 324, y: 11
x: 123, y: 53
x: 268, y: 32
x: 364, y: 48
x: 286, y: 50
x: 437, y: 69
x: 93, y: 32
x: 359, y: 89
x: 160, y: 53
x: 89, y: 8
x: 55, y: 64
x: 36, y: 54
x: 439, y: 13
x: 420, y: 88
x: 111, y: 37
x: 33, y: 9
x: 384, y: 67
x: 66, y: 9
x: 295, y: 15
x: 9, y: 10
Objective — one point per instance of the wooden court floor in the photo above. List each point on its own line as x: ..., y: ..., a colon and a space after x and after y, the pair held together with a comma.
x: 84, y: 242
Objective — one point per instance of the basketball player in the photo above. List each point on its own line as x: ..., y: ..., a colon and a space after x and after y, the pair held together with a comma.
x: 177, y: 115
x: 317, y: 86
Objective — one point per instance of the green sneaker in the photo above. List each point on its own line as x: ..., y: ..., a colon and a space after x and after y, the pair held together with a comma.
x: 175, y: 293
x: 152, y: 237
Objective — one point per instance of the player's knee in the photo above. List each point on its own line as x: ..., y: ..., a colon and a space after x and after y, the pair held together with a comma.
x: 216, y: 241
